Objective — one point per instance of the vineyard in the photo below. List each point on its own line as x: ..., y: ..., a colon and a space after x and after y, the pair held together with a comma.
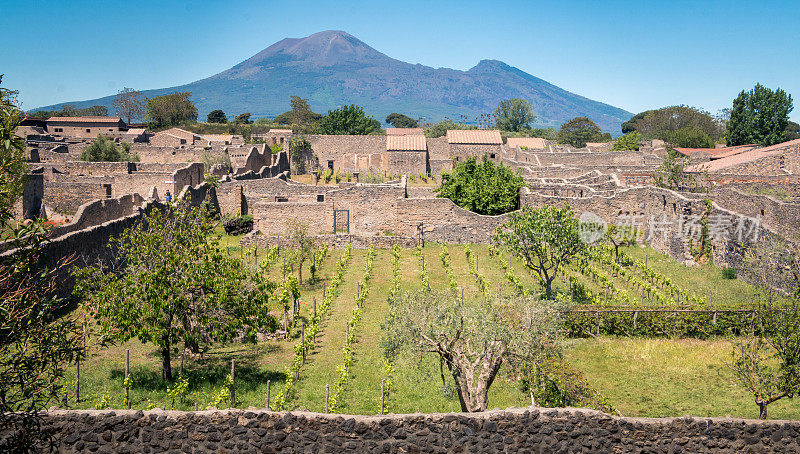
x: 332, y: 359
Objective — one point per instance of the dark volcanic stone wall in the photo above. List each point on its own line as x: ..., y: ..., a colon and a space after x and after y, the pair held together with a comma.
x: 517, y: 430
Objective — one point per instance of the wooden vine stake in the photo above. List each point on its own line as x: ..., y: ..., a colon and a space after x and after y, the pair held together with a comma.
x: 383, y: 394
x: 326, y: 398
x: 233, y: 384
x: 127, y: 371
x: 269, y: 388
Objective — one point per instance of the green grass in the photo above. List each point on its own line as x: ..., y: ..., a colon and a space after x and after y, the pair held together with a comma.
x: 669, y: 377
x: 642, y: 377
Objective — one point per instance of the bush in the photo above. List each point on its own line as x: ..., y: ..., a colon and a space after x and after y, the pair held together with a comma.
x: 629, y: 141
x: 104, y: 149
x: 484, y: 188
x: 729, y: 273
x: 239, y: 225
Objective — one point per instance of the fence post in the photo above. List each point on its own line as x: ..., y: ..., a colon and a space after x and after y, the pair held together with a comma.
x: 182, y: 362
x: 326, y: 398
x: 383, y: 394
x: 315, y: 307
x: 641, y: 302
x: 714, y: 321
x: 499, y: 291
x: 324, y: 285
x: 269, y: 388
x: 635, y: 315
x: 597, y: 317
x: 233, y: 384
x: 347, y: 333
x: 127, y: 369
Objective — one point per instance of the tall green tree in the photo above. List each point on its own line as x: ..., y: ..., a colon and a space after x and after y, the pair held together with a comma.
x: 485, y: 188
x: 216, y: 116
x: 399, y: 120
x: 759, y: 116
x: 680, y: 126
x: 580, y: 130
x: 514, y: 115
x: 171, y: 110
x: 629, y: 141
x: 348, y: 120
x: 546, y: 239
x: 173, y: 286
x: 243, y: 119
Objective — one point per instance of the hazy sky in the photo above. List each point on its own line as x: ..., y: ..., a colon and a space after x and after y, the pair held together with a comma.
x: 634, y: 55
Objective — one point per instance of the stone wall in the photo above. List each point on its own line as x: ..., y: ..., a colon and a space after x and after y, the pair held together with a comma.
x: 443, y: 221
x: 99, y: 211
x: 338, y: 241
x: 511, y: 430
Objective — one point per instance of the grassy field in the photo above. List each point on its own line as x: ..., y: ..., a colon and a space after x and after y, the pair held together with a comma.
x: 642, y: 377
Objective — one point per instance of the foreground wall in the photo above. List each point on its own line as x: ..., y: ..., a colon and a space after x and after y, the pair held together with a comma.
x: 514, y: 430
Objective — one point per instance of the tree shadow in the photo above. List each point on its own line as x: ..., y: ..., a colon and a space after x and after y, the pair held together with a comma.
x: 210, y: 371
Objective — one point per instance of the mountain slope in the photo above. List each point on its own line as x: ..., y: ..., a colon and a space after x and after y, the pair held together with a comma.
x: 333, y: 68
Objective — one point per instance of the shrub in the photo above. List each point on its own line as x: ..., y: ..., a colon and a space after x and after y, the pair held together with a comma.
x: 104, y: 149
x: 729, y: 273
x: 239, y: 225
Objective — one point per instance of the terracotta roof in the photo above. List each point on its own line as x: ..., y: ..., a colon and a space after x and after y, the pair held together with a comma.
x: 404, y: 131
x: 86, y: 119
x: 280, y: 131
x: 406, y: 143
x: 137, y: 131
x: 742, y: 158
x: 716, y: 153
x: 474, y: 136
x: 529, y: 142
x: 218, y: 137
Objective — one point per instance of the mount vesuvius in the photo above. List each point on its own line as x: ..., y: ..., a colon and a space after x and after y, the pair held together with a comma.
x: 333, y: 68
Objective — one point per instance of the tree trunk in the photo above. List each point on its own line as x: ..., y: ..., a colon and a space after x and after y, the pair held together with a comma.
x: 474, y: 394
x: 166, y: 367
x: 548, y: 288
x: 762, y: 410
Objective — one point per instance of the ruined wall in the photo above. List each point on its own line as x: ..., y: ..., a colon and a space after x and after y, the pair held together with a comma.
x: 444, y: 221
x: 339, y: 241
x: 66, y: 193
x: 99, y: 211
x: 407, y: 162
x: 512, y: 430
x: 607, y: 158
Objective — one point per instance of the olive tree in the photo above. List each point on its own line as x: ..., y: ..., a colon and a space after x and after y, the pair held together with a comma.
x: 474, y: 338
x: 546, y: 240
x: 172, y: 286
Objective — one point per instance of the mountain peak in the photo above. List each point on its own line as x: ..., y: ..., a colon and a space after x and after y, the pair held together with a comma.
x: 325, y: 48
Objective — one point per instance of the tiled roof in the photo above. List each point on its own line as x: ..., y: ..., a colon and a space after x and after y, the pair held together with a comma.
x: 86, y: 119
x: 404, y: 131
x: 529, y: 142
x: 280, y: 131
x: 218, y: 137
x: 136, y: 131
x: 474, y: 136
x: 406, y: 143
x: 716, y: 153
x: 742, y: 158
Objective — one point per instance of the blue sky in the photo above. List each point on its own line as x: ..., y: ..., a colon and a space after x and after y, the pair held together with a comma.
x: 634, y: 55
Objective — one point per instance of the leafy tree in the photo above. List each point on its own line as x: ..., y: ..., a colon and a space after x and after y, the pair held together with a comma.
x: 671, y: 173
x: 303, y: 243
x: 171, y: 110
x: 629, y: 141
x: 35, y: 344
x: 348, y: 120
x: 300, y: 114
x: 578, y: 131
x: 768, y: 364
x: 440, y: 129
x: 174, y: 286
x: 546, y: 239
x: 71, y: 111
x: 514, y: 115
x: 243, y: 119
x: 689, y: 137
x: 216, y: 116
x: 630, y: 125
x: 129, y: 104
x: 681, y: 126
x: 484, y: 188
x: 401, y: 121
x: 301, y: 153
x: 474, y: 339
x: 792, y: 131
x: 759, y: 116
x: 104, y: 149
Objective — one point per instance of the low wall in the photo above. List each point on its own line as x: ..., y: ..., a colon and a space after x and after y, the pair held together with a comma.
x: 100, y: 211
x: 512, y: 430
x: 338, y: 241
